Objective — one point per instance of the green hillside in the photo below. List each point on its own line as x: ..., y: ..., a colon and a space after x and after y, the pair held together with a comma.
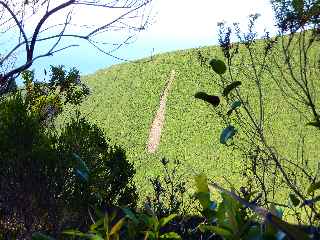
x: 125, y: 99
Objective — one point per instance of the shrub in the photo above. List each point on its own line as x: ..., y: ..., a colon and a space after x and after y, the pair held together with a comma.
x: 169, y: 191
x: 110, y: 175
x: 42, y: 183
x: 31, y: 173
x: 48, y: 99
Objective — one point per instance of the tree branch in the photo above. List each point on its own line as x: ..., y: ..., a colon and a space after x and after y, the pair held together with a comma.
x: 18, y: 24
x: 117, y: 19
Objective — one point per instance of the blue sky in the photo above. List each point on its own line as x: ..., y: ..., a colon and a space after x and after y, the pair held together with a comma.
x: 177, y: 24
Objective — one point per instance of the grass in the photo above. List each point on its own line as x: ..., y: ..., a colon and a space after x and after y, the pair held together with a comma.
x: 125, y: 98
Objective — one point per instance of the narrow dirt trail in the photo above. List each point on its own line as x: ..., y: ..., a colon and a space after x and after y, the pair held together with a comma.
x: 158, y: 122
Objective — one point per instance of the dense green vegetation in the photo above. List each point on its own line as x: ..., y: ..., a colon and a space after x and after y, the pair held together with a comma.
x: 50, y: 177
x: 237, y: 159
x: 125, y: 99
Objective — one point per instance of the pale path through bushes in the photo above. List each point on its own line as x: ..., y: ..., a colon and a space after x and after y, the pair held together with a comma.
x: 158, y: 122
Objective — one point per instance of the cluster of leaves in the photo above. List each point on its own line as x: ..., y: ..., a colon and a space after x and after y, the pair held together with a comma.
x: 296, y: 14
x: 48, y: 177
x: 30, y: 174
x: 101, y: 172
x: 121, y: 223
x: 169, y: 191
x: 301, y: 20
x: 220, y: 68
x: 163, y: 215
x: 227, y: 134
x: 203, y: 59
x: 238, y: 217
x: 48, y: 99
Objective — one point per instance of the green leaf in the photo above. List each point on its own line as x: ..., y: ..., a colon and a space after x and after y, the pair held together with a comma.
x: 97, y: 224
x: 82, y: 165
x: 210, y: 213
x: 314, y: 124
x: 149, y: 235
x: 221, y: 214
x: 96, y: 237
x: 292, y: 231
x: 150, y: 221
x: 213, y: 100
x: 310, y: 202
x: 281, y: 235
x: 218, y: 66
x: 293, y: 200
x: 271, y: 229
x: 298, y: 6
x: 232, y: 208
x: 276, y: 211
x: 40, y: 236
x: 203, y: 193
x: 204, y: 199
x: 234, y: 106
x: 163, y: 221
x: 117, y: 227
x: 170, y: 235
x: 106, y: 223
x: 83, y: 175
x: 230, y: 87
x: 213, y: 205
x: 248, y: 196
x: 254, y: 233
x: 201, y: 183
x: 81, y: 169
x: 130, y: 215
x: 313, y: 187
x: 214, y: 229
x: 314, y: 9
x: 76, y: 233
x: 227, y: 134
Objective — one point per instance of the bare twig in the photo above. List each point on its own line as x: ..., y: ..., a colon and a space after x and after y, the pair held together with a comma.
x: 19, y: 17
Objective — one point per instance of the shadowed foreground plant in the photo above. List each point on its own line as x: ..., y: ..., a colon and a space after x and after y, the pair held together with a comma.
x: 49, y: 176
x: 169, y: 191
x: 127, y: 225
x: 240, y: 217
x: 248, y: 111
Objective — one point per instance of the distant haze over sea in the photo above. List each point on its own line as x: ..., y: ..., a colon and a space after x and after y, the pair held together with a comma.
x: 88, y: 59
x: 177, y: 24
